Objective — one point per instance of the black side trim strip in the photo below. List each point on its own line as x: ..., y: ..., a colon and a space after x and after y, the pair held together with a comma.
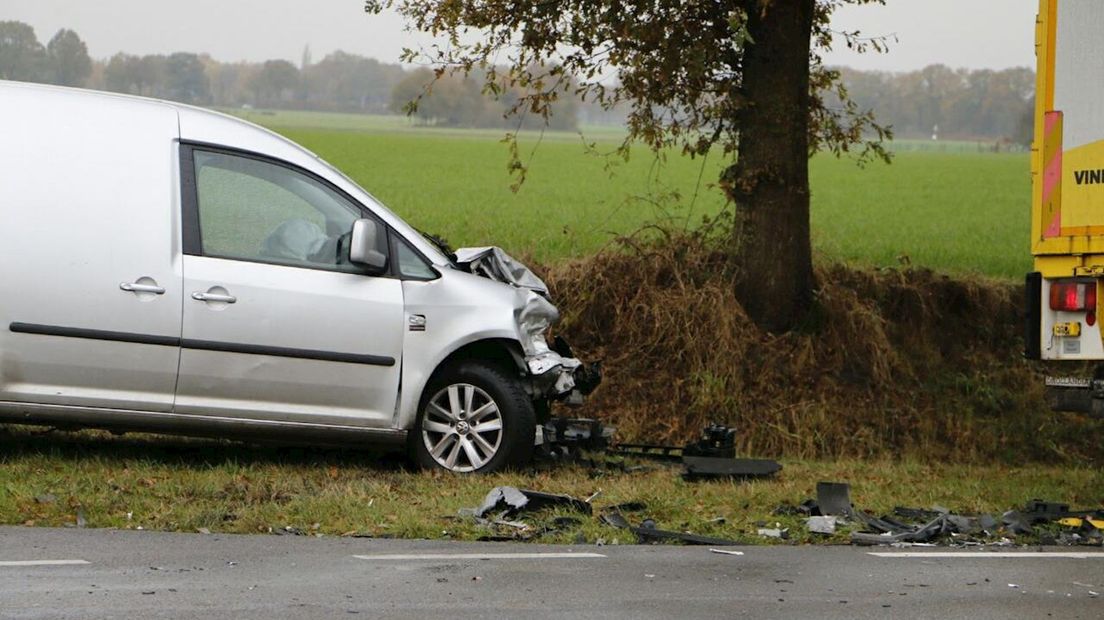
x: 189, y: 204
x: 93, y: 334
x: 306, y: 354
x: 202, y: 345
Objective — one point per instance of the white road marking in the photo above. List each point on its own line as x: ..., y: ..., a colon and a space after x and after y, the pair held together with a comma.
x: 43, y: 563
x: 480, y: 556
x: 988, y: 554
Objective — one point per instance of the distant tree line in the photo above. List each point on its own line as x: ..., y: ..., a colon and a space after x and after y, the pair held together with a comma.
x: 952, y: 103
x: 340, y: 82
x: 458, y: 101
x: 64, y: 60
x: 955, y: 103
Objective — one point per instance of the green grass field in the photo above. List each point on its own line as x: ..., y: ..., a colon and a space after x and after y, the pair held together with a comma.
x: 956, y: 211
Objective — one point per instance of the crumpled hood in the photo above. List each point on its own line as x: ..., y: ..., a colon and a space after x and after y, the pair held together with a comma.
x: 494, y: 263
x: 534, y: 313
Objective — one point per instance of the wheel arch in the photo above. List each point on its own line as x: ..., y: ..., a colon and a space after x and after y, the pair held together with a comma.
x: 503, y: 352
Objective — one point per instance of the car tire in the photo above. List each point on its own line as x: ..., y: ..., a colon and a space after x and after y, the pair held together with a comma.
x: 473, y: 418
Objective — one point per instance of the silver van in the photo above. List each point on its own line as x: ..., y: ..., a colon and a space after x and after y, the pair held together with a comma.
x: 169, y: 269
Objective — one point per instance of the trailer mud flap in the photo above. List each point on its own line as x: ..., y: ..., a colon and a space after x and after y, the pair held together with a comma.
x: 1076, y: 395
x: 1033, y: 316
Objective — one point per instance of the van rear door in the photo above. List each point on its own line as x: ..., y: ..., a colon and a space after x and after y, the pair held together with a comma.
x: 90, y: 293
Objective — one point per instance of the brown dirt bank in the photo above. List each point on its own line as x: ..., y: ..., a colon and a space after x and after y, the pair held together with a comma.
x: 893, y: 362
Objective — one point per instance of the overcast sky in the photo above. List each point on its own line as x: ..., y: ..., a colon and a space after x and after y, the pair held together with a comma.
x: 960, y: 33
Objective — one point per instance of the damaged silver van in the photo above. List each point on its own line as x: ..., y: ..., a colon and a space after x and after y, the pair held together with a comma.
x: 169, y: 269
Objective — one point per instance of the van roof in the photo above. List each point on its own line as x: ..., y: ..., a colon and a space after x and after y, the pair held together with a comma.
x: 196, y: 123
x: 49, y: 90
x: 201, y: 125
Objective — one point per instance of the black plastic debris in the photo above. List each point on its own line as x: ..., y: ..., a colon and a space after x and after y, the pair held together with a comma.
x: 512, y: 501
x: 808, y: 508
x: 705, y: 467
x: 712, y: 455
x: 834, y: 498
x: 921, y: 514
x: 578, y: 433
x: 716, y: 441
x: 647, y: 532
x: 1038, y: 511
x: 588, y: 376
x: 627, y: 507
x: 891, y: 533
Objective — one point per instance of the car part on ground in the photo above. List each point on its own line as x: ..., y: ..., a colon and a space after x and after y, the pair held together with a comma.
x: 513, y: 501
x: 821, y: 525
x: 774, y: 532
x: 712, y: 456
x: 909, y: 526
x: 707, y: 468
x: 647, y: 533
x: 577, y: 434
x: 834, y: 498
x: 716, y: 442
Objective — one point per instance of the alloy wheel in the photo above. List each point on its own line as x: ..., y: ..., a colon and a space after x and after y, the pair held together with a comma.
x: 462, y: 427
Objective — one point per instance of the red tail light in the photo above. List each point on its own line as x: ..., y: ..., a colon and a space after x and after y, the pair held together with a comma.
x: 1073, y: 295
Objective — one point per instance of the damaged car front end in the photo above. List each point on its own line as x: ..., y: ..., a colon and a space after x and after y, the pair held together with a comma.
x: 480, y: 373
x: 554, y: 371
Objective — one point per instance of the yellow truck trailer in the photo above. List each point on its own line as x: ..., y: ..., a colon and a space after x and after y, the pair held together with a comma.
x: 1067, y: 216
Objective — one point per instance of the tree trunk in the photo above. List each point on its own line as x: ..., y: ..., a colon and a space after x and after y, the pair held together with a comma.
x: 769, y: 183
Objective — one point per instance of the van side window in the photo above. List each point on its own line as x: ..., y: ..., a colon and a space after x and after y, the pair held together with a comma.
x: 254, y: 210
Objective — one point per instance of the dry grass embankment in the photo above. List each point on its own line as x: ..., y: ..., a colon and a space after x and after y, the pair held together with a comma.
x: 893, y: 361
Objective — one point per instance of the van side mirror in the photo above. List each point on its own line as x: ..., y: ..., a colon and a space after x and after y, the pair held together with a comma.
x: 363, y: 244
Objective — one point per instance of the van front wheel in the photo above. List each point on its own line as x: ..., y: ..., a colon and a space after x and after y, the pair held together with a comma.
x: 474, y: 418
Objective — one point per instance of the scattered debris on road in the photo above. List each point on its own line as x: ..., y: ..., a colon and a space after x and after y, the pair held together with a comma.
x: 647, y: 532
x: 774, y: 532
x: 834, y: 498
x: 706, y: 467
x: 821, y: 524
x: 711, y: 456
x: 514, y: 501
x: 938, y: 525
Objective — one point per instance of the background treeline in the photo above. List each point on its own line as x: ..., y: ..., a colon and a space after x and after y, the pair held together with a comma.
x: 962, y: 104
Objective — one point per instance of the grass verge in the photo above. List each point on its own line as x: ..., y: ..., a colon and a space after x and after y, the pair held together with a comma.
x: 158, y: 483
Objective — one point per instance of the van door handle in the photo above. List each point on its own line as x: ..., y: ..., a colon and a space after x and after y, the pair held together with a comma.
x: 215, y: 297
x: 133, y: 287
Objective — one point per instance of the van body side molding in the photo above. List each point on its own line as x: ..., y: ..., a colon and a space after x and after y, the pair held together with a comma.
x: 306, y: 354
x: 93, y: 334
x: 201, y: 345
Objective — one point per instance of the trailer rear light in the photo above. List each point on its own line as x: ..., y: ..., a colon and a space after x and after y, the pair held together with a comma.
x: 1073, y: 295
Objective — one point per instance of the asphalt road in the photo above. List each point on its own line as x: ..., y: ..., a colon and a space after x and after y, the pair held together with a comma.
x: 162, y: 575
